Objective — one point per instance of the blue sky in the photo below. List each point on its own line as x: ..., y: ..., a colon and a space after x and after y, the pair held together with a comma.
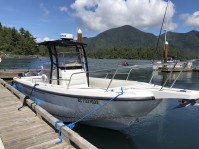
x: 46, y: 19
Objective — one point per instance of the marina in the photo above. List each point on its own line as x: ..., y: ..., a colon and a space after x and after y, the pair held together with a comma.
x: 124, y: 84
x: 70, y: 93
x: 30, y: 126
x: 162, y: 121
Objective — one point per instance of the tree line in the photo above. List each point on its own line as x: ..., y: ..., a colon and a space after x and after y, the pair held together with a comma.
x: 22, y: 42
x: 17, y: 42
x: 147, y: 53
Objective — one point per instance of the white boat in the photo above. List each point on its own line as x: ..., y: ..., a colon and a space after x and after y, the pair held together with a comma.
x: 69, y: 93
x: 173, y: 64
x: 1, y: 54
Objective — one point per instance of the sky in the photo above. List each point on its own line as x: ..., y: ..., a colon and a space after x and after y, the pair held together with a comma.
x: 47, y: 19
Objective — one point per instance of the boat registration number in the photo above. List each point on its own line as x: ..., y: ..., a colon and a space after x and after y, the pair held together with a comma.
x: 89, y: 101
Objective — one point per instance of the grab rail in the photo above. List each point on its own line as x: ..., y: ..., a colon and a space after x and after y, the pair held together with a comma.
x: 128, y: 74
x: 185, y: 63
x: 114, y: 74
x: 179, y: 74
x: 168, y: 76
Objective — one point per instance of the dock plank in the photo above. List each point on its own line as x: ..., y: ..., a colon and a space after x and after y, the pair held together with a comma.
x: 27, y: 128
x: 22, y: 129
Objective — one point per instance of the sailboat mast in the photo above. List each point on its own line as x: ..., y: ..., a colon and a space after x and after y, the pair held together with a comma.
x: 154, y: 56
x: 165, y: 37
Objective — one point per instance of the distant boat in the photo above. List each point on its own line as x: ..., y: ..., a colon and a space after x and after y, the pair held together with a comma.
x: 125, y: 64
x: 173, y: 62
x: 1, y: 53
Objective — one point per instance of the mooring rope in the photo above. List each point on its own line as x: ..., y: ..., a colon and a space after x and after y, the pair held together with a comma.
x: 33, y: 88
x: 26, y: 97
x: 72, y: 125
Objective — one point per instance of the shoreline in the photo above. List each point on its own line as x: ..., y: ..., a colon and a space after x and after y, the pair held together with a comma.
x: 10, y: 56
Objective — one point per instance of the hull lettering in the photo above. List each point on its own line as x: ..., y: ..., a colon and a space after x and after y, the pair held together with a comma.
x: 88, y: 101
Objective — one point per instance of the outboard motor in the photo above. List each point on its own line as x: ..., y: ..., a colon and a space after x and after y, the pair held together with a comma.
x: 40, y: 73
x: 28, y: 74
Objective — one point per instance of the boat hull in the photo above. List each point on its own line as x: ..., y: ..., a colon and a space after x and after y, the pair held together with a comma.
x: 115, y: 115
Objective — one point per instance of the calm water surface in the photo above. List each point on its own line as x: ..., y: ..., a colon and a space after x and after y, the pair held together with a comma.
x: 163, y: 128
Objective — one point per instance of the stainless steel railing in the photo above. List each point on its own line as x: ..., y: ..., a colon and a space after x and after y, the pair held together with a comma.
x: 114, y: 74
x: 115, y: 71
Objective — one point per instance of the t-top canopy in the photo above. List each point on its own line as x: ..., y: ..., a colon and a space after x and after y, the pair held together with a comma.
x: 62, y: 43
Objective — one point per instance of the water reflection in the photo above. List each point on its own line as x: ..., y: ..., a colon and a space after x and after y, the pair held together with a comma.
x: 105, y: 138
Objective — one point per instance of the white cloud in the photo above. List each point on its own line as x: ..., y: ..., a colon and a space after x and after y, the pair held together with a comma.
x: 63, y: 9
x: 100, y: 15
x: 38, y: 40
x: 46, y: 11
x: 191, y: 20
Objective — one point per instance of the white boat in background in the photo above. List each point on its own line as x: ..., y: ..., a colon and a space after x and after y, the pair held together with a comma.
x: 174, y: 64
x: 1, y: 54
x: 69, y: 93
x: 179, y: 65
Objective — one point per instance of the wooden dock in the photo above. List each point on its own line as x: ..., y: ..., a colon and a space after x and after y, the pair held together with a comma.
x: 193, y: 69
x: 32, y: 126
x: 11, y: 73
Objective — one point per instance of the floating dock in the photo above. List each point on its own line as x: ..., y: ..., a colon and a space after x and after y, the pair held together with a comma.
x: 31, y: 127
x: 193, y: 69
x: 11, y: 73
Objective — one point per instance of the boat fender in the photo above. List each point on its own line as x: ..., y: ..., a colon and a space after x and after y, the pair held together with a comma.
x: 44, y: 78
x: 33, y: 89
x: 14, y: 86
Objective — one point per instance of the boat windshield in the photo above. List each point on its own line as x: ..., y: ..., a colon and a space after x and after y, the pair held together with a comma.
x: 69, y: 58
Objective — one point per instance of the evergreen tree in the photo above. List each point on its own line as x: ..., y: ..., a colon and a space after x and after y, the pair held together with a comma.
x: 14, y: 42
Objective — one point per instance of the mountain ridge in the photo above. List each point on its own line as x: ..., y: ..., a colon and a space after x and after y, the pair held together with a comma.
x: 128, y: 36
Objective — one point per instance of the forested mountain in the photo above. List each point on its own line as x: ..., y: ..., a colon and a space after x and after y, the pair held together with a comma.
x: 125, y: 36
x: 121, y: 42
x: 14, y: 42
x: 128, y: 36
x: 187, y: 43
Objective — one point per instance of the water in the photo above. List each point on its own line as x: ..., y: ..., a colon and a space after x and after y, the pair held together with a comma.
x: 163, y: 128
